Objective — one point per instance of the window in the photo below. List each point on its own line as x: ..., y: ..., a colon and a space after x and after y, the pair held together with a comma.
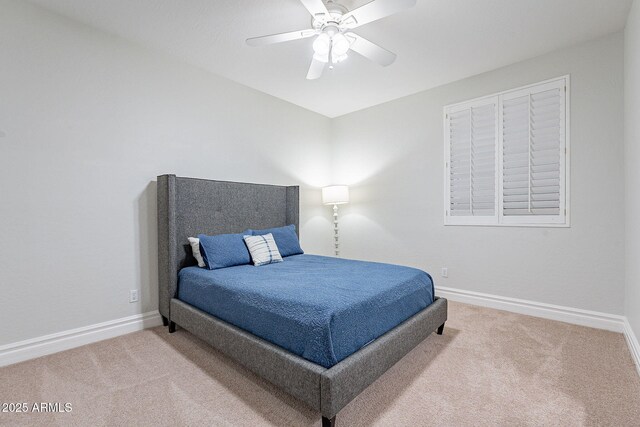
x: 506, y: 158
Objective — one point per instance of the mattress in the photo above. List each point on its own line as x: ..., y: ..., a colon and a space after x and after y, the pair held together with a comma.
x: 320, y: 308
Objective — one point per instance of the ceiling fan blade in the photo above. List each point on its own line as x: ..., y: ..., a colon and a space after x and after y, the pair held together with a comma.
x: 316, y: 69
x: 377, y: 9
x: 282, y: 37
x: 315, y: 7
x: 372, y: 51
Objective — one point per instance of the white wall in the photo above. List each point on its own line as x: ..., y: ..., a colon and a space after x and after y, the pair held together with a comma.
x: 89, y: 122
x: 632, y: 166
x: 392, y: 156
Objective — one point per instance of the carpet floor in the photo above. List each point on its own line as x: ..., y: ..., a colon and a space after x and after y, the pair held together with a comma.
x: 490, y: 368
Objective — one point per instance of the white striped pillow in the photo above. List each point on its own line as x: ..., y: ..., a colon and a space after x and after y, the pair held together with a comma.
x: 195, y: 249
x: 263, y: 249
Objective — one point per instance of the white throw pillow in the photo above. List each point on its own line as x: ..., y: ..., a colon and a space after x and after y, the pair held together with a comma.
x: 263, y: 249
x: 195, y: 248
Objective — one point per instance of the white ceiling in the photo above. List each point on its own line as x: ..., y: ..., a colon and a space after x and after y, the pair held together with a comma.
x: 437, y: 42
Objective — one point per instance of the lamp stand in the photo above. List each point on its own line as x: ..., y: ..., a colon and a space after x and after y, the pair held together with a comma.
x: 336, y: 237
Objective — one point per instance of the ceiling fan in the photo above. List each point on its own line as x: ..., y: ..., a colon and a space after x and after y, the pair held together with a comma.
x: 333, y: 24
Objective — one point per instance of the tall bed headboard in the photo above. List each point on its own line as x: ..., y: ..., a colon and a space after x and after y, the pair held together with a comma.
x: 188, y: 207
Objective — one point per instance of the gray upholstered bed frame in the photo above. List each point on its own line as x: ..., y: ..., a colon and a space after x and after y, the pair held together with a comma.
x: 188, y: 207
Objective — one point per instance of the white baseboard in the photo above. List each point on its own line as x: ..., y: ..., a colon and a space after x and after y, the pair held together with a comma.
x: 632, y: 342
x: 576, y: 316
x: 48, y: 344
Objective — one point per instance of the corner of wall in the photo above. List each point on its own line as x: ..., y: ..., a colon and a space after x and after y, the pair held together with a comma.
x: 632, y: 176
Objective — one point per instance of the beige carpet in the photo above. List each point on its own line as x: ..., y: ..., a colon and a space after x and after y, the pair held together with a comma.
x: 490, y: 368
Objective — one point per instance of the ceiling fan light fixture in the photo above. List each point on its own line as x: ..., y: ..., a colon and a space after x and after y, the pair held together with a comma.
x: 339, y: 58
x: 322, y: 44
x: 334, y: 58
x: 340, y: 44
x: 321, y: 58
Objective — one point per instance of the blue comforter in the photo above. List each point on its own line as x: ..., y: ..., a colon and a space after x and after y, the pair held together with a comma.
x: 322, y: 309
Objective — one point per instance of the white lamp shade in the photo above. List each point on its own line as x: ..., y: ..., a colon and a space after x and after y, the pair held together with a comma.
x: 335, y: 195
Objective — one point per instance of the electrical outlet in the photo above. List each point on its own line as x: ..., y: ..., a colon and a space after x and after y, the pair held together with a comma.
x: 445, y: 272
x: 133, y: 295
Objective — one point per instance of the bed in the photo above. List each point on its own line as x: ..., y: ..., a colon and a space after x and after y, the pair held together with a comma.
x: 314, y: 334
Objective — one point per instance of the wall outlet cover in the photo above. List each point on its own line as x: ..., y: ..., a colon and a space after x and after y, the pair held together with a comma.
x: 133, y: 295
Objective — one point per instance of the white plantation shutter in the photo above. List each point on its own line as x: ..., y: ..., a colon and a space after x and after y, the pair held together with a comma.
x: 533, y: 153
x: 460, y: 173
x: 506, y: 158
x: 483, y: 160
x: 471, y: 167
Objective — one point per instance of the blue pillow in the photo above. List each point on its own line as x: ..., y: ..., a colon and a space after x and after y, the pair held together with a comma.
x: 224, y: 250
x: 285, y: 237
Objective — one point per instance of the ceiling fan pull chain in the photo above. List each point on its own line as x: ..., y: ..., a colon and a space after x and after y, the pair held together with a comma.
x: 331, y: 54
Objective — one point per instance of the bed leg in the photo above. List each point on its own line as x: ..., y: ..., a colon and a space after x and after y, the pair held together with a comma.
x: 165, y: 321
x: 172, y: 327
x: 440, y: 329
x: 328, y: 422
